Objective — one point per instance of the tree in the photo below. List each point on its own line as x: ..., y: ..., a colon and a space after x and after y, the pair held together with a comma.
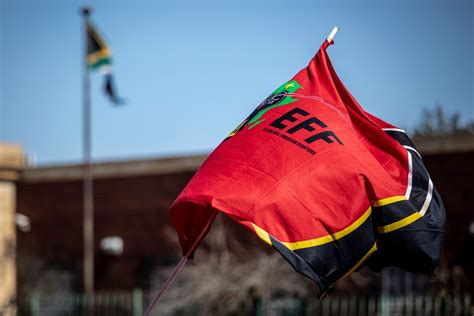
x: 436, y: 122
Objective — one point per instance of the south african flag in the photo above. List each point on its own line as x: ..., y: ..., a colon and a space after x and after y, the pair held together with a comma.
x: 99, y: 58
x: 98, y: 52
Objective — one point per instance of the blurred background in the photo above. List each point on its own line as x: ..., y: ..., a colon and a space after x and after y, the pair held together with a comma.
x: 185, y: 73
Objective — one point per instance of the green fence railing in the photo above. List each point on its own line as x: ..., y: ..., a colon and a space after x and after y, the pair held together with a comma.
x: 134, y: 304
x: 106, y: 304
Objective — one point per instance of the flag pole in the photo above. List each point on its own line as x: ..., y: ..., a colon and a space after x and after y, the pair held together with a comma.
x: 87, y: 181
x: 332, y: 34
x: 177, y: 269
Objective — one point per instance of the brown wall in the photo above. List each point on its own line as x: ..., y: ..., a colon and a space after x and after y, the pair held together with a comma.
x: 134, y: 208
x: 453, y: 176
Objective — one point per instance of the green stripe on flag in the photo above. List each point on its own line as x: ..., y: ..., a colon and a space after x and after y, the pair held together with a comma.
x: 104, y: 61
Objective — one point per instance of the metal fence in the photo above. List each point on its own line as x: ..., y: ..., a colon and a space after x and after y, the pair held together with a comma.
x: 100, y: 304
x: 134, y: 304
x: 383, y: 306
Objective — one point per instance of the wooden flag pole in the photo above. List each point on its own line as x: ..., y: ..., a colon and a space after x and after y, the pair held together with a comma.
x: 177, y: 269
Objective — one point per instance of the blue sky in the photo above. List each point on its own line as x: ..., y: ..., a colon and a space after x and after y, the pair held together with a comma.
x: 192, y: 70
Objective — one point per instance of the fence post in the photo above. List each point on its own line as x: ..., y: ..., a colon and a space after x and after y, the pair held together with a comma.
x: 362, y: 305
x: 384, y: 304
x: 353, y: 305
x: 325, y: 302
x: 260, y: 307
x: 34, y: 305
x: 467, y: 305
x: 137, y: 302
x: 447, y: 305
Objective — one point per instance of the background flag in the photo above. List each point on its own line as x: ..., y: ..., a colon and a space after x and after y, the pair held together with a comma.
x: 327, y: 185
x: 99, y: 58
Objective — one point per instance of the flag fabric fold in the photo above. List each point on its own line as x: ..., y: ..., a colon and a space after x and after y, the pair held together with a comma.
x: 329, y: 186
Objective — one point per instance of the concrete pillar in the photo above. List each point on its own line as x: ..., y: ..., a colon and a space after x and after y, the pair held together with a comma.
x: 12, y: 162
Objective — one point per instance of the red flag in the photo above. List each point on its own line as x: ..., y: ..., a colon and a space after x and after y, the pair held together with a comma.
x: 328, y: 185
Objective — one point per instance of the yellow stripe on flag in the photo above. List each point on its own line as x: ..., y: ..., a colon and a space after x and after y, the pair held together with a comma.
x: 358, y: 264
x: 331, y: 237
x: 92, y: 58
x: 361, y: 261
x: 399, y: 224
x: 388, y: 200
x: 316, y: 241
x: 262, y: 234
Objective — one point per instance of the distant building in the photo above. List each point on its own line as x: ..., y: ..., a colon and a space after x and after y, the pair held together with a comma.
x: 11, y: 163
x: 131, y: 202
x: 132, y: 199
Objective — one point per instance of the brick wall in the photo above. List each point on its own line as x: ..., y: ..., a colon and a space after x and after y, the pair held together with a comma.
x: 135, y: 208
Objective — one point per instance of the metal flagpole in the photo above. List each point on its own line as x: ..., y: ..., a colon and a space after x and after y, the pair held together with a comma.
x: 87, y: 194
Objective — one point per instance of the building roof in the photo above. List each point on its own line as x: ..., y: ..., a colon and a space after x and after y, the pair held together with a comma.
x: 115, y: 169
x: 157, y: 166
x: 445, y: 144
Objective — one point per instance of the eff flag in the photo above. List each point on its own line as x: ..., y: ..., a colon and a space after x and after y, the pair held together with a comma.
x: 327, y: 185
x: 99, y: 57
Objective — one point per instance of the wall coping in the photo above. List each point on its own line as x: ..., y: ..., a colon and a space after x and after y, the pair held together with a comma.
x: 12, y: 161
x: 115, y: 169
